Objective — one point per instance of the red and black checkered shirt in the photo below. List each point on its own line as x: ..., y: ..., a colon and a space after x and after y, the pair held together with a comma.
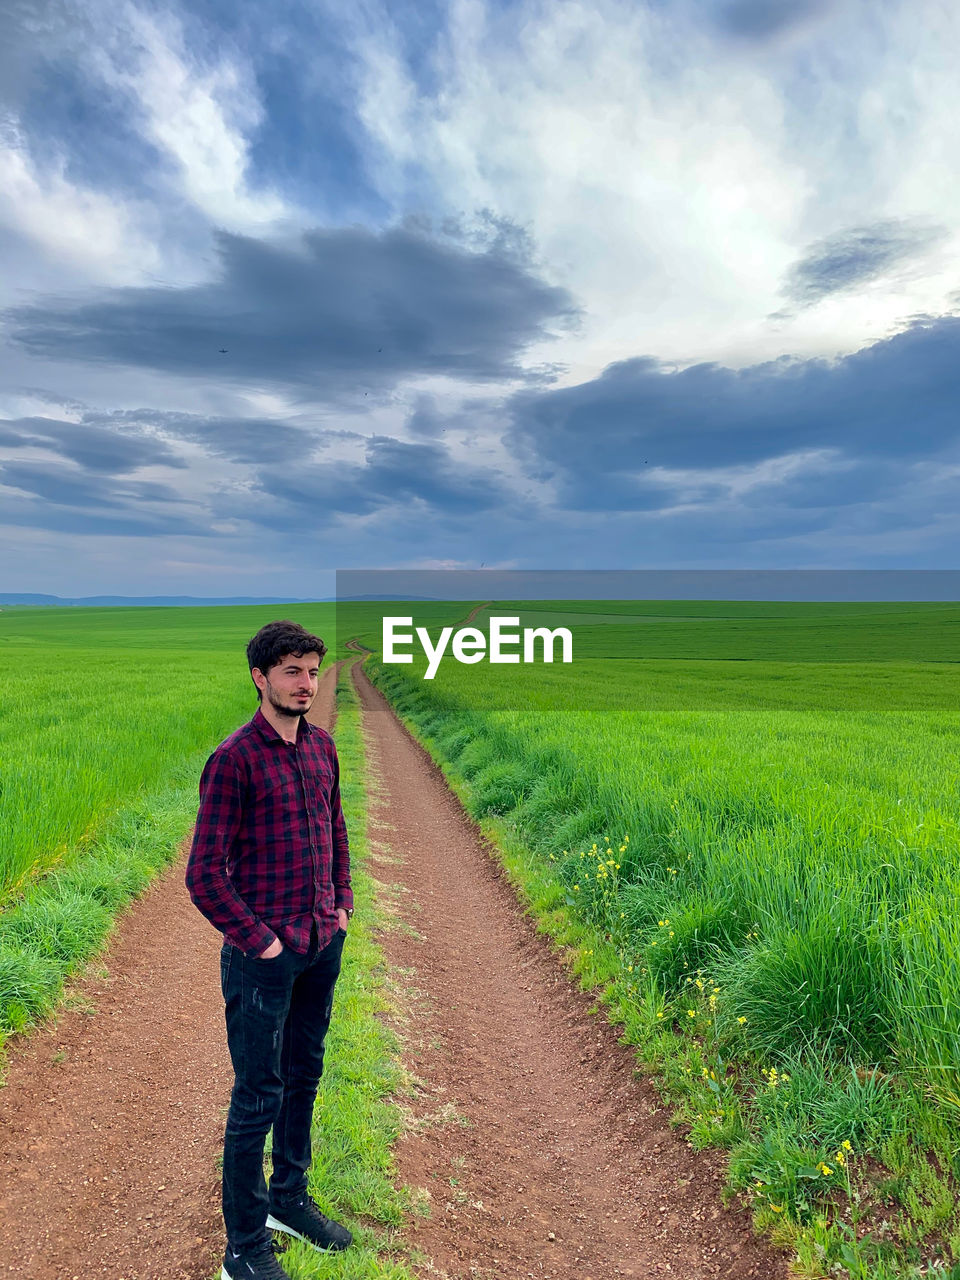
x: 270, y: 854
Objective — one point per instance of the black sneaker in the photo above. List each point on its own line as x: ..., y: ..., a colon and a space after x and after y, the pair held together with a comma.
x: 302, y: 1218
x: 259, y: 1263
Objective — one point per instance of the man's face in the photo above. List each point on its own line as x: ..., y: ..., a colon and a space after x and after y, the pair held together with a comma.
x: 291, y: 686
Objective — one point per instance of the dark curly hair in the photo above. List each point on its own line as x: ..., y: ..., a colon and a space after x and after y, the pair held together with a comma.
x: 278, y: 639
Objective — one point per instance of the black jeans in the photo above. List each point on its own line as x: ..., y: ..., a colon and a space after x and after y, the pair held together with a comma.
x: 277, y: 1012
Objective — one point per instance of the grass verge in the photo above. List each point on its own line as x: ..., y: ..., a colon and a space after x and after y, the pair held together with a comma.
x: 850, y: 1164
x: 356, y: 1122
x: 65, y: 917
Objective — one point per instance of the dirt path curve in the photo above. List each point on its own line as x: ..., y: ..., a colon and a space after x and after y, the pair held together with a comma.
x: 543, y: 1153
x: 111, y: 1118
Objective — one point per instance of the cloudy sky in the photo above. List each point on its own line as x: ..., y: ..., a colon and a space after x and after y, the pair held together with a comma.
x: 298, y: 285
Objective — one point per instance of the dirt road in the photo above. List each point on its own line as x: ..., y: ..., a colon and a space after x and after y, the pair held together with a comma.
x: 541, y: 1151
x: 111, y: 1119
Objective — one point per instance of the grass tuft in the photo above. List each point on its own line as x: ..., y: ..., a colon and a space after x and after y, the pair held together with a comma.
x: 65, y: 917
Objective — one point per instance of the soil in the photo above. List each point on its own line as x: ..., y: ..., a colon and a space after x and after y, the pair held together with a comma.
x: 111, y: 1118
x: 541, y: 1150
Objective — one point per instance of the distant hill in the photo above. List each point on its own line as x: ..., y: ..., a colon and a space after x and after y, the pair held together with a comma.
x: 10, y: 598
x: 25, y: 598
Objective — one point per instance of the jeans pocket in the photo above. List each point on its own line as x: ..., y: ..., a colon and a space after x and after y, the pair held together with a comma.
x: 270, y: 969
x: 226, y: 959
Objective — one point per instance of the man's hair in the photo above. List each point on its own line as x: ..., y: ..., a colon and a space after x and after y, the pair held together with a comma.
x: 278, y: 639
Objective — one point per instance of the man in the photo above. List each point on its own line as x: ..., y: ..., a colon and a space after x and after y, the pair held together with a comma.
x: 270, y: 868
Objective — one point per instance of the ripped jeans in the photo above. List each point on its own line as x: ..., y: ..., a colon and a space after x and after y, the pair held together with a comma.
x: 277, y: 1013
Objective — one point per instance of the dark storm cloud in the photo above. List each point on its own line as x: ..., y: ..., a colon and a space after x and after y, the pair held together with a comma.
x: 24, y: 513
x: 12, y: 436
x: 88, y: 488
x: 68, y: 486
x: 92, y: 446
x: 888, y: 404
x: 412, y: 478
x: 830, y: 484
x: 426, y: 473
x: 427, y: 419
x: 120, y: 441
x: 341, y: 312
x: 763, y: 19
x: 241, y: 440
x: 855, y: 256
x: 64, y: 499
x: 469, y: 418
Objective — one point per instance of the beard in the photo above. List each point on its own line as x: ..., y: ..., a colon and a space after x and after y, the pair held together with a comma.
x: 281, y: 708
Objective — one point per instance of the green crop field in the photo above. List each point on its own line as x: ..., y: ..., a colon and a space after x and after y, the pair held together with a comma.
x: 767, y: 844
x: 106, y: 717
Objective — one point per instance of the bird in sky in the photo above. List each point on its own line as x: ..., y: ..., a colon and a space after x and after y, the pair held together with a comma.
x: 223, y: 351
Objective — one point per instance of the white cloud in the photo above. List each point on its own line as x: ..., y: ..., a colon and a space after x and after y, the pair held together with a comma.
x: 671, y: 176
x: 92, y: 233
x: 199, y: 115
x: 697, y: 485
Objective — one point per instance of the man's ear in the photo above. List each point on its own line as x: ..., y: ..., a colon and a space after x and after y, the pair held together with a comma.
x: 259, y: 679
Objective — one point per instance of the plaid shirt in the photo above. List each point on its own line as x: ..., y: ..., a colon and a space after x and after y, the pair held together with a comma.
x: 270, y: 852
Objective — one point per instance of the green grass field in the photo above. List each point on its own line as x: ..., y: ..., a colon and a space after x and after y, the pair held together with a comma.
x: 98, y: 704
x: 106, y: 718
x: 701, y: 655
x: 771, y: 874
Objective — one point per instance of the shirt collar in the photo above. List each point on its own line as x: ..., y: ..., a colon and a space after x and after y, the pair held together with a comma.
x: 269, y: 733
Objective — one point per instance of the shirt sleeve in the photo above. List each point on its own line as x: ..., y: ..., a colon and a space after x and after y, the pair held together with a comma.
x: 222, y: 791
x: 340, y: 870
